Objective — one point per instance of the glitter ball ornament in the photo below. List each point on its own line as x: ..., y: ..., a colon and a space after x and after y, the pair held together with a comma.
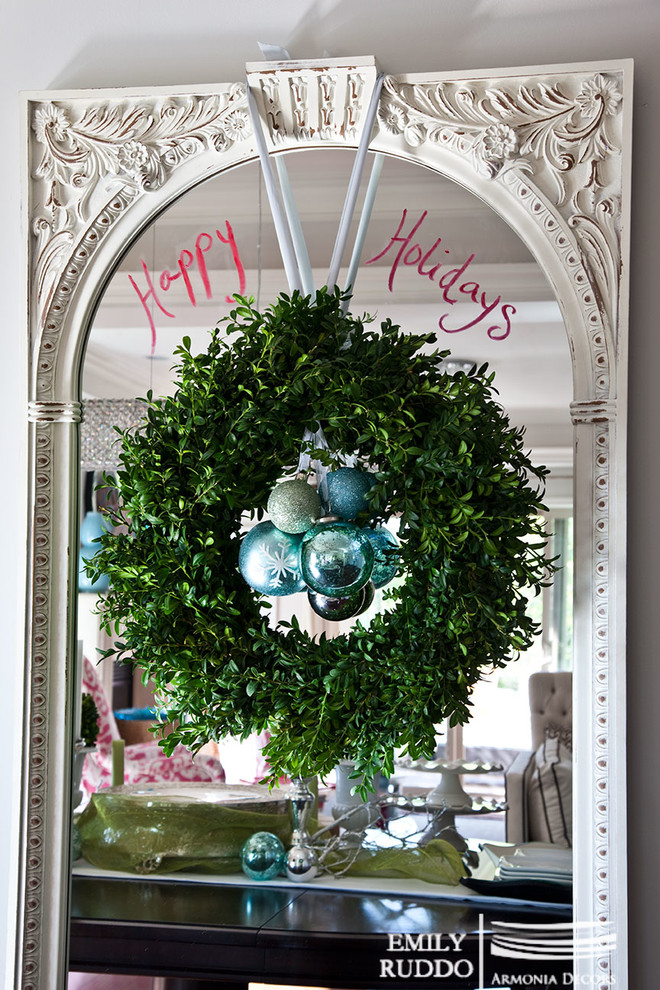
x: 294, y: 506
x: 336, y: 558
x: 262, y: 856
x: 346, y: 490
x: 269, y: 560
x: 386, y: 565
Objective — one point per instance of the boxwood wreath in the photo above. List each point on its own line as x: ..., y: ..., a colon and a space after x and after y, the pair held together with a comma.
x: 446, y: 462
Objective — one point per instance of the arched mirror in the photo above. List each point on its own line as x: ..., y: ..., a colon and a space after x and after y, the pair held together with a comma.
x: 516, y: 177
x: 139, y: 323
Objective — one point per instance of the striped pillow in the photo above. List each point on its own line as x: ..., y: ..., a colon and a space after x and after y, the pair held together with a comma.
x: 549, y: 793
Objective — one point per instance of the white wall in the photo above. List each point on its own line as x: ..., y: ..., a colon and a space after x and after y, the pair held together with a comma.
x: 83, y: 44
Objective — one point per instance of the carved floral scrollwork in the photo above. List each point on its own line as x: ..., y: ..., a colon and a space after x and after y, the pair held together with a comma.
x: 568, y: 143
x: 140, y: 144
x: 133, y: 146
x: 499, y: 127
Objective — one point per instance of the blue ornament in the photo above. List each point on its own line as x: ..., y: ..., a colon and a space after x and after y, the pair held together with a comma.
x: 262, y: 856
x: 294, y: 506
x: 336, y: 559
x: 269, y: 560
x: 386, y: 563
x: 346, y: 490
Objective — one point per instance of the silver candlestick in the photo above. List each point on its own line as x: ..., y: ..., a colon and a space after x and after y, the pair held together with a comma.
x: 301, y: 861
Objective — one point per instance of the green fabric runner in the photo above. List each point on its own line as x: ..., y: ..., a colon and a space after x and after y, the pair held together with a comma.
x: 435, y: 862
x: 152, y: 835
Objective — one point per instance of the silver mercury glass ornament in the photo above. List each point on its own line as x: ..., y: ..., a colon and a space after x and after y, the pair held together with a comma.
x: 301, y: 861
x: 336, y: 558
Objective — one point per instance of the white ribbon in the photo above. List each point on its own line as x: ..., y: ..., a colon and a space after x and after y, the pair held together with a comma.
x: 314, y: 441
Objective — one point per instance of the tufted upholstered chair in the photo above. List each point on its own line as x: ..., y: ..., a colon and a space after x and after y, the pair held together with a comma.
x: 551, y: 708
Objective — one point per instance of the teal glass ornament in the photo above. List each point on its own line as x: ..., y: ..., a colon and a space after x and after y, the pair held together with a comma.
x: 336, y: 609
x: 347, y: 488
x: 386, y: 564
x: 294, y: 506
x: 269, y: 560
x: 263, y: 856
x: 336, y: 558
x: 348, y: 607
x: 368, y: 594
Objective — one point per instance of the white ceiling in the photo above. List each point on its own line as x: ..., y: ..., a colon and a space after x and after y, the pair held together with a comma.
x: 532, y: 365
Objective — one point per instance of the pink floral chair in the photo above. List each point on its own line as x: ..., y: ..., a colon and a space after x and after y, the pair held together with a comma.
x: 143, y: 762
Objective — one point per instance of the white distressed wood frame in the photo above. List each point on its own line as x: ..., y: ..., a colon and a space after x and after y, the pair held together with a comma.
x: 548, y: 149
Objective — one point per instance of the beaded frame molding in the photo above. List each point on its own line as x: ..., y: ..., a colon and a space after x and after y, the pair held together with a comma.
x: 548, y: 148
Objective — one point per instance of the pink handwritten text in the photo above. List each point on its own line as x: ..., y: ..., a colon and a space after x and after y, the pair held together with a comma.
x: 188, y: 262
x: 455, y: 286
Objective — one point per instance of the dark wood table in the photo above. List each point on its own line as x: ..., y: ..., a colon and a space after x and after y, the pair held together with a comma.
x: 193, y: 933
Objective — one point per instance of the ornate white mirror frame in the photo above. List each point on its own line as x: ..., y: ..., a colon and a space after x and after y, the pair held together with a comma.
x: 547, y: 148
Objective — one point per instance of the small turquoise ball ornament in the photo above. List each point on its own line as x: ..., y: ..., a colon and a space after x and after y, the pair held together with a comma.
x: 386, y: 566
x: 347, y: 488
x: 294, y: 506
x: 269, y: 560
x: 336, y: 558
x: 263, y: 856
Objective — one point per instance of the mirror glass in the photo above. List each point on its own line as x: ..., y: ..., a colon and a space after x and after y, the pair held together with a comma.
x: 435, y: 259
